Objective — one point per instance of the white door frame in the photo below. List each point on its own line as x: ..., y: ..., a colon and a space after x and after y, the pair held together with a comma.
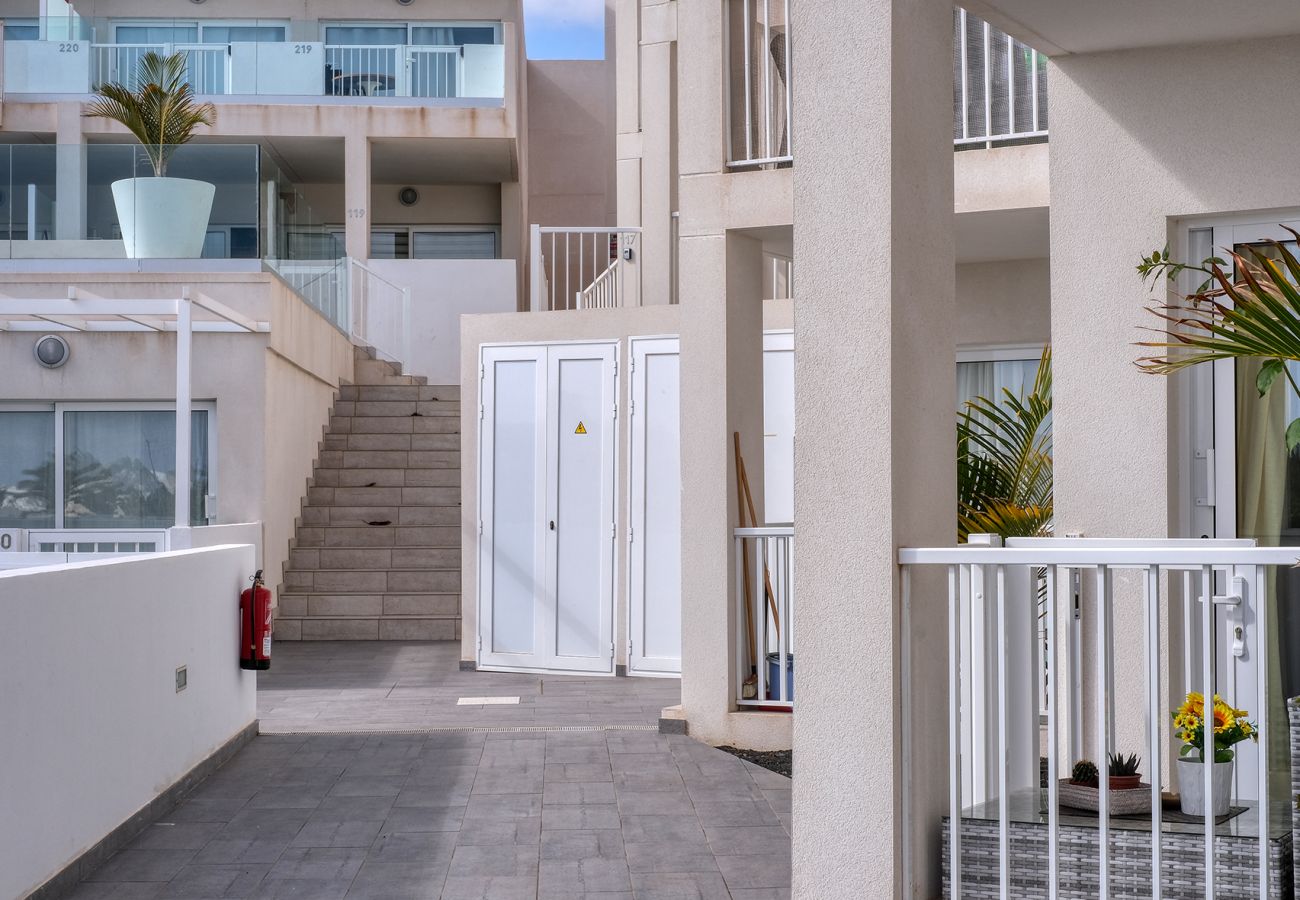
x: 638, y: 662
x: 544, y: 657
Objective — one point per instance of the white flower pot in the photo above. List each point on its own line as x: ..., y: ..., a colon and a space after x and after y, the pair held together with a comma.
x: 1191, y: 786
x: 163, y: 218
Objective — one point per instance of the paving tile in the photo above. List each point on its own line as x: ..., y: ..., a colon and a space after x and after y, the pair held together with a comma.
x: 228, y: 851
x: 302, y: 796
x: 494, y: 861
x: 433, y: 795
x: 670, y: 856
x: 176, y: 835
x: 367, y: 786
x: 586, y: 876
x: 735, y: 812
x: 679, y: 886
x: 266, y: 824
x: 333, y: 833
x: 585, y: 816
x: 301, y: 889
x: 781, y: 893
x: 764, y: 840
x: 578, y: 772
x: 414, y: 846
x: 500, y: 831
x: 656, y: 829
x: 767, y: 870
x: 397, y: 881
x: 319, y: 863
x: 423, y: 819
x: 567, y: 792
x: 654, y: 803
x: 582, y: 844
x: 103, y: 890
x: 503, y: 806
x: 218, y: 881
x: 490, y: 887
x: 143, y: 865
x: 206, y: 810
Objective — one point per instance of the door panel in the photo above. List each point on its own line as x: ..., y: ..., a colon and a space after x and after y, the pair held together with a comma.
x: 513, y: 483
x: 655, y: 570
x: 778, y: 426
x: 580, y: 421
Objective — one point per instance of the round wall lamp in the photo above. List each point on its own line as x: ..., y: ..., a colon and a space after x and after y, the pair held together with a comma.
x: 408, y: 196
x: 51, y: 351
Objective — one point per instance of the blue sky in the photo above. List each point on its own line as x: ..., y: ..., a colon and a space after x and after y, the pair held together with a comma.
x: 565, y: 29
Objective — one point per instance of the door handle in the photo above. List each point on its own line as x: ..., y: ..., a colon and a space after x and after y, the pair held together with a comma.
x: 552, y: 525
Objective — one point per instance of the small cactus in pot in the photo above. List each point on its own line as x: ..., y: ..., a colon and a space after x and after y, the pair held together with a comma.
x: 1123, y: 774
x: 1085, y: 773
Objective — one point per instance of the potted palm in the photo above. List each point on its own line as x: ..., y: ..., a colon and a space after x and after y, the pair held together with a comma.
x: 1228, y: 727
x: 160, y: 217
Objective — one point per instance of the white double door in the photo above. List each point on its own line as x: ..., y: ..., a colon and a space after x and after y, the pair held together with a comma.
x: 546, y: 497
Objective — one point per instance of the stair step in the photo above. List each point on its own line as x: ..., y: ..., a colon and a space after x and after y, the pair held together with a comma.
x: 445, y: 441
x: 396, y: 408
x: 370, y: 557
x: 383, y: 496
x: 317, y: 605
x: 395, y: 516
x: 413, y: 392
x: 361, y: 536
x: 410, y: 424
x: 448, y: 477
x: 336, y: 581
x: 368, y: 629
x: 388, y: 459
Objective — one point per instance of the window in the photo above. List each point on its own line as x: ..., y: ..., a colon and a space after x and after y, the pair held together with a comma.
x: 22, y: 30
x: 243, y: 34
x: 428, y: 242
x: 988, y: 372
x: 117, y: 467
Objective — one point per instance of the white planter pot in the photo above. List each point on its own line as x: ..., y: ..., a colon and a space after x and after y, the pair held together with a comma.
x: 163, y: 218
x: 1191, y: 787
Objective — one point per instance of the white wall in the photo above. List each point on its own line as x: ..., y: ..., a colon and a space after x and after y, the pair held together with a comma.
x: 94, y: 728
x: 442, y: 290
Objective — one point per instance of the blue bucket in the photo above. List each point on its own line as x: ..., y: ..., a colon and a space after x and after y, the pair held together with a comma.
x: 774, y: 673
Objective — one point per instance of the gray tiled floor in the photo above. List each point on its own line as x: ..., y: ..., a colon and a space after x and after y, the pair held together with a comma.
x: 461, y: 813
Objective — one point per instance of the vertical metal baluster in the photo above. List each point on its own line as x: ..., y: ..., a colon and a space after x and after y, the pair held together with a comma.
x: 554, y: 286
x: 1260, y: 653
x: 988, y: 82
x: 1053, y: 784
x: 905, y: 589
x: 741, y: 637
x: 1103, y: 725
x: 766, y: 57
x: 749, y: 87
x: 1154, y: 718
x: 760, y: 620
x: 1011, y: 85
x: 1004, y: 792
x: 954, y: 732
x: 1207, y: 752
x: 783, y: 628
x: 965, y: 80
x: 789, y: 89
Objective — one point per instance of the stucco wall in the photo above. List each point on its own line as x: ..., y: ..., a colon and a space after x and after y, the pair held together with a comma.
x: 94, y: 732
x: 571, y: 142
x: 1140, y: 140
x: 1004, y: 303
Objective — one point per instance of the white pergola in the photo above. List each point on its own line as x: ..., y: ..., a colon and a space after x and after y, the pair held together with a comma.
x: 191, y: 312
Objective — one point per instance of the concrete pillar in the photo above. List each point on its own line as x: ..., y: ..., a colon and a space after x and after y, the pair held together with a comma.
x: 875, y: 459
x: 69, y: 174
x: 722, y: 392
x: 658, y: 172
x: 356, y: 194
x: 514, y: 236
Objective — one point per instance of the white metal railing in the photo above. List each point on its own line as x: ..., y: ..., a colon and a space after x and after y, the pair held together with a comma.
x: 435, y: 71
x: 381, y: 313
x: 364, y: 71
x: 583, y: 268
x: 760, y: 91
x: 999, y: 85
x: 322, y: 283
x: 1224, y: 651
x: 765, y: 616
x: 207, y: 66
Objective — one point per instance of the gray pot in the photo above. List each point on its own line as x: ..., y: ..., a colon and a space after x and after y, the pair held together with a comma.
x: 1191, y: 787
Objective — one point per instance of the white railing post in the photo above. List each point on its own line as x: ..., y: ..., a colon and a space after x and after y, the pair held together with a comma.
x: 536, y: 272
x: 184, y: 340
x: 406, y: 328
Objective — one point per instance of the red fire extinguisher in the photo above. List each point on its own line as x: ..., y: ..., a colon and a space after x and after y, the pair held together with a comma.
x: 255, y: 630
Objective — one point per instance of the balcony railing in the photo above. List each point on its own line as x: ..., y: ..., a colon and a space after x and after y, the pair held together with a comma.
x: 380, y: 313
x: 273, y: 57
x: 999, y: 86
x: 1200, y: 612
x: 765, y: 616
x: 583, y: 268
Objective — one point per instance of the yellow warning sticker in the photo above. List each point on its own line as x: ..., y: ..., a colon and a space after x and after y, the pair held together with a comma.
x: 581, y: 429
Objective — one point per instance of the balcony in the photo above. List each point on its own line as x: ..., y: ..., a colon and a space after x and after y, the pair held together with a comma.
x: 999, y: 85
x: 287, y: 60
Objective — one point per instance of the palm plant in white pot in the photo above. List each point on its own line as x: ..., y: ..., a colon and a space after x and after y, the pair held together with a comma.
x: 161, y: 217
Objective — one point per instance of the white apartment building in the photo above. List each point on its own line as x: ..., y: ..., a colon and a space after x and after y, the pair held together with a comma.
x: 799, y: 232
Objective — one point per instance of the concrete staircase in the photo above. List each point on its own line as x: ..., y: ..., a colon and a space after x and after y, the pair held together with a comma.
x: 377, y: 550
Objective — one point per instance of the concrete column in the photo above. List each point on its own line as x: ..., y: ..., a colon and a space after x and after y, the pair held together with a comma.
x: 69, y: 174
x: 722, y: 392
x: 658, y: 173
x: 875, y: 460
x: 356, y: 195
x: 514, y: 236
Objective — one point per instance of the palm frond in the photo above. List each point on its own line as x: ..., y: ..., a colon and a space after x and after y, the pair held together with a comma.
x: 1253, y: 315
x: 1004, y: 461
x: 160, y: 111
